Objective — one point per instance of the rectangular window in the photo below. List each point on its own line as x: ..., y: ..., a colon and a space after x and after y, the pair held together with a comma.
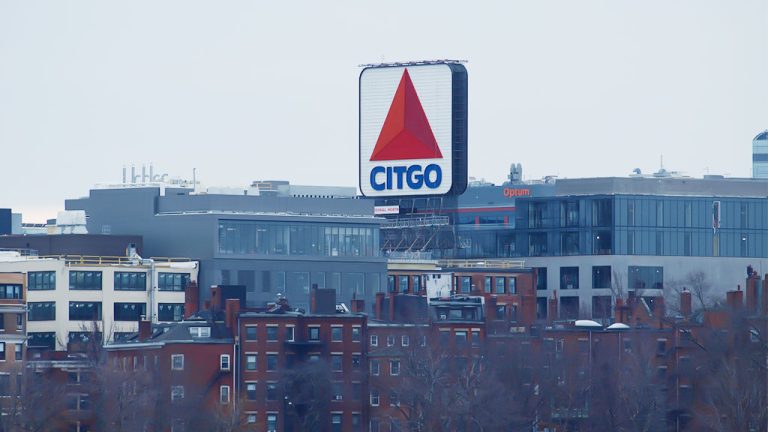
x: 130, y: 311
x: 177, y: 393
x: 465, y: 286
x: 18, y: 351
x: 250, y: 333
x: 336, y: 334
x: 271, y: 333
x: 601, y: 277
x: 250, y: 362
x: 41, y: 311
x: 569, y: 243
x: 85, y: 280
x: 416, y: 286
x: 38, y: 281
x: 394, y: 367
x: 337, y: 391
x: 475, y: 337
x: 601, y: 307
x: 374, y: 340
x: 271, y: 362
x: 512, y: 285
x: 314, y: 333
x: 356, y: 358
x: 374, y: 397
x: 271, y: 391
x: 541, y: 278
x: 42, y: 340
x: 10, y: 291
x: 461, y: 338
x: 130, y: 281
x: 336, y: 362
x: 83, y: 336
x: 500, y: 285
x: 271, y: 422
x: 569, y: 308
x: 405, y: 340
x: 290, y: 333
x: 224, y: 362
x: 170, y: 311
x: 250, y: 391
x: 172, y: 281
x: 402, y: 284
x: 84, y: 311
x: 390, y: 341
x: 177, y: 361
x: 569, y: 278
x: 646, y: 277
x: 391, y: 284
x: 487, y: 285
x: 355, y: 334
x: 224, y: 394
x: 2, y: 351
x: 375, y: 367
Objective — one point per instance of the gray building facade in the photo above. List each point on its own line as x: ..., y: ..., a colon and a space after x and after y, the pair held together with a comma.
x: 760, y: 156
x: 272, y: 245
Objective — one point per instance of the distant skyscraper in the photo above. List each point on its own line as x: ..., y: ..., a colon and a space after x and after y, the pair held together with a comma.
x: 760, y: 155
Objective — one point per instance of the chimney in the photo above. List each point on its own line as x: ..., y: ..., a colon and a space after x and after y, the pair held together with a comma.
x: 313, y: 299
x: 552, y: 308
x: 358, y: 306
x: 659, y: 307
x: 378, y: 306
x: 231, y: 311
x: 191, y: 299
x: 619, y: 311
x: 752, y: 289
x: 528, y: 305
x: 735, y: 299
x: 686, y: 304
x: 145, y: 329
x: 392, y: 307
x: 216, y: 297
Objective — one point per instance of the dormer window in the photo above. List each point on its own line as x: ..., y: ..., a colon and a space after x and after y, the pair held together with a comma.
x: 200, y: 332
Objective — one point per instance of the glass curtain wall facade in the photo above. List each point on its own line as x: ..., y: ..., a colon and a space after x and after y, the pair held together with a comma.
x: 643, y: 225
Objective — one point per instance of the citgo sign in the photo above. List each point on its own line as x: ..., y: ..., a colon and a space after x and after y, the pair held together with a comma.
x: 413, y: 130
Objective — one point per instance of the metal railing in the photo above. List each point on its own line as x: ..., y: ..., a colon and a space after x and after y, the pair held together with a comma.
x: 485, y: 264
x: 109, y: 260
x: 416, y: 222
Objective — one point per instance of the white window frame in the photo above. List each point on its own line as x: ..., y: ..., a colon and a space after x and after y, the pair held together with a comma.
x: 225, y: 390
x: 256, y: 363
x: 378, y: 367
x: 173, y: 361
x: 390, y: 340
x: 251, y: 415
x: 224, y: 358
x: 371, y: 398
x: 178, y: 391
x: 405, y: 340
x: 292, y: 329
x: 374, y: 340
x: 391, y: 371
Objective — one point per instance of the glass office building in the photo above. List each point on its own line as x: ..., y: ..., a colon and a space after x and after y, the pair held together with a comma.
x: 760, y: 156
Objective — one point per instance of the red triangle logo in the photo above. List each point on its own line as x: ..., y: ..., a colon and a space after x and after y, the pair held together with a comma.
x: 406, y: 133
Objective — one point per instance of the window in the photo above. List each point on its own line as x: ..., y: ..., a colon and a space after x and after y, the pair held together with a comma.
x: 10, y: 291
x: 601, y: 307
x: 336, y: 362
x: 177, y: 361
x: 356, y: 361
x: 250, y: 418
x: 390, y: 341
x: 422, y: 341
x: 355, y: 334
x: 461, y: 338
x: 374, y: 424
x: 465, y: 284
x: 336, y: 334
x: 374, y: 397
x: 569, y: 307
x: 38, y: 281
x: 177, y: 393
x: 487, y: 285
x: 130, y: 281
x: 501, y: 312
x: 337, y: 391
x: 271, y: 362
x: 18, y: 351
x: 601, y: 277
x: 224, y: 362
x: 394, y: 367
x: 314, y: 333
x: 250, y: 391
x: 271, y: 422
x: 402, y: 284
x: 405, y: 340
x: 289, y: 333
x: 374, y: 340
x: 416, y: 287
x: 84, y: 311
x: 357, y: 422
x: 2, y: 351
x: 130, y: 311
x: 646, y: 277
x: 375, y: 367
x: 250, y: 362
x: 500, y: 285
x: 41, y: 311
x: 569, y: 243
x: 541, y: 278
x: 170, y: 311
x: 250, y: 333
x: 336, y: 422
x: 394, y: 400
x: 271, y: 391
x: 83, y: 336
x: 44, y: 340
x: 569, y: 278
x: 224, y: 394
x: 271, y: 333
x: 172, y: 281
x: 512, y: 285
x: 200, y: 332
x: 85, y: 280
x: 391, y: 284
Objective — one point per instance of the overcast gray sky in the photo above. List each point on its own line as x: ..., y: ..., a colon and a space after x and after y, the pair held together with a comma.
x: 268, y: 90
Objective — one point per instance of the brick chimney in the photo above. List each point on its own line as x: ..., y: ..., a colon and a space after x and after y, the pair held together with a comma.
x: 752, y: 297
x: 357, y: 306
x: 313, y: 299
x: 528, y: 305
x: 735, y: 299
x: 552, y: 314
x: 216, y: 297
x: 620, y: 311
x: 378, y: 305
x: 392, y: 307
x: 145, y: 329
x: 686, y: 304
x: 231, y: 311
x: 191, y: 299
